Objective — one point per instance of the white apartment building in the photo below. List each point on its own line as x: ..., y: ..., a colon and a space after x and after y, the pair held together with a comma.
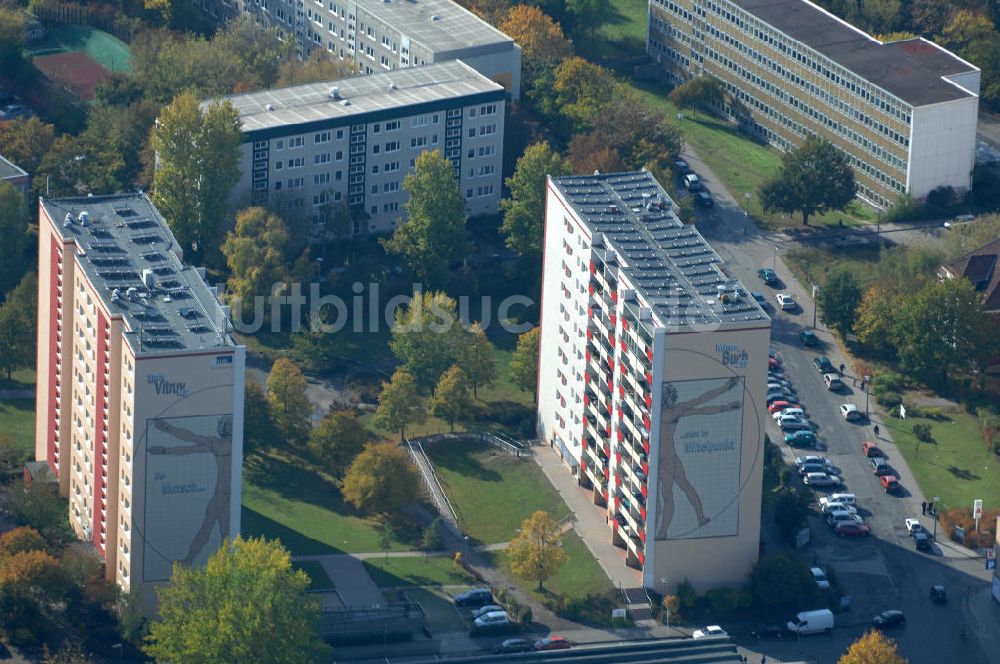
x: 384, y: 35
x: 139, y: 409
x: 308, y: 148
x: 904, y: 112
x: 651, y: 380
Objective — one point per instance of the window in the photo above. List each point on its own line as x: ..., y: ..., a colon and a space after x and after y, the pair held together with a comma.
x: 390, y: 187
x: 280, y: 144
x: 377, y: 127
x: 486, y: 130
x: 338, y: 176
x: 472, y: 153
x: 434, y: 139
x: 487, y: 150
x: 468, y: 193
x: 298, y: 162
x: 323, y: 158
x: 296, y: 183
x: 484, y: 191
x: 296, y: 142
x: 419, y: 121
x: 340, y: 134
x: 488, y: 109
x: 374, y: 169
x: 390, y: 166
x: 392, y: 125
x: 340, y: 155
x: 486, y: 170
x: 472, y: 132
x: 322, y: 137
x: 418, y: 142
x: 321, y: 178
x: 374, y: 188
x: 278, y: 165
x: 392, y: 146
x: 390, y: 207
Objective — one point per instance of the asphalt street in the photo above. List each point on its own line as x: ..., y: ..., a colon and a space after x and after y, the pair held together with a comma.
x: 883, y: 571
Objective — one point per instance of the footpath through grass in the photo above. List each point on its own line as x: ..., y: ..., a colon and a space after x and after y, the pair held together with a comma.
x: 493, y: 491
x: 107, y: 50
x: 958, y: 467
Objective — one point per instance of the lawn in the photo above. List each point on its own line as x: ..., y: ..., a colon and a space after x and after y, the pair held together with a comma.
x: 285, y: 498
x: 17, y: 420
x: 422, y: 571
x: 440, y: 613
x: 318, y: 578
x: 19, y: 380
x: 103, y: 48
x: 958, y: 467
x: 813, y: 265
x: 622, y: 36
x: 493, y: 492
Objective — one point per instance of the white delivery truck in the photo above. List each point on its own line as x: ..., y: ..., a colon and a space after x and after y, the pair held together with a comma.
x: 819, y: 621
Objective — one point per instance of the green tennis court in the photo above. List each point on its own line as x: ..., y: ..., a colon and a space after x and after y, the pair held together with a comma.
x: 110, y: 52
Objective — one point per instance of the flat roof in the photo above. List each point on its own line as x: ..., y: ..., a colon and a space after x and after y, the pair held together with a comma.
x: 912, y: 70
x: 438, y: 25
x: 10, y: 170
x: 359, y: 95
x: 672, y: 267
x: 123, y: 237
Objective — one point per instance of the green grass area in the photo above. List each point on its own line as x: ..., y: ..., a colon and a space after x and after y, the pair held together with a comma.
x: 422, y: 571
x: 492, y: 491
x: 958, y: 467
x: 622, y: 36
x: 17, y: 420
x: 318, y: 578
x: 813, y: 265
x: 104, y: 49
x: 285, y: 498
x: 440, y: 613
x: 582, y: 575
x: 19, y: 380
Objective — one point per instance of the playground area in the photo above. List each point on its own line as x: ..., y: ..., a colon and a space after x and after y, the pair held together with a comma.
x: 78, y: 57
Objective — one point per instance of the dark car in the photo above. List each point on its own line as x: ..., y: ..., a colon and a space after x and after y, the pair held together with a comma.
x: 824, y: 365
x: 938, y: 595
x: 681, y: 167
x: 769, y: 631
x: 922, y: 541
x: 513, y: 645
x: 852, y: 529
x: 889, y: 618
x: 474, y: 597
x: 553, y: 643
x: 768, y: 276
x: 808, y: 338
x: 704, y: 199
x: 759, y: 298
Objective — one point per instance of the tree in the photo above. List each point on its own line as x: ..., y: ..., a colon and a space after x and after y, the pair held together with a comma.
x: 524, y: 363
x: 25, y: 142
x: 702, y: 93
x: 434, y: 230
x: 815, y: 177
x: 943, y: 328
x: 41, y: 507
x: 427, y: 337
x: 685, y: 210
x: 259, y: 430
x: 11, y: 458
x: 320, y: 67
x: 381, y: 480
x: 18, y: 320
x: 247, y: 604
x: 338, y: 438
x: 583, y: 91
x: 586, y: 16
x: 14, y: 231
x: 838, y: 300
x: 537, y: 553
x: 593, y: 151
x: 524, y: 209
x: 876, y: 320
x: 256, y: 254
x: 290, y: 406
x: 791, y: 510
x: 543, y: 45
x: 21, y: 539
x: 399, y: 403
x: 31, y: 583
x: 872, y: 648
x: 451, y: 398
x: 476, y: 359
x: 923, y: 434
x: 199, y: 154
x: 780, y: 581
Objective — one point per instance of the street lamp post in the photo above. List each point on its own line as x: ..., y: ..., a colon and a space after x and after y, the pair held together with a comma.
x: 865, y: 381
x: 934, y: 515
x: 746, y: 211
x: 815, y: 306
x: 775, y: 265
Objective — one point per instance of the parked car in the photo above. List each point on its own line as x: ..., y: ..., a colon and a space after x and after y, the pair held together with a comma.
x: 768, y: 276
x: 773, y: 363
x: 483, y: 610
x: 681, y: 167
x: 795, y: 424
x: 880, y: 466
x: 492, y: 620
x: 692, y: 182
x: 704, y: 199
x: 814, y: 468
x: 922, y: 541
x: 938, y: 595
x: 786, y: 302
x: 801, y: 439
x: 812, y: 458
x: 780, y: 386
x: 808, y: 338
x: 819, y: 576
x: 768, y: 631
x: 821, y: 479
x: 780, y: 405
x: 830, y: 508
x: 512, y: 646
x: 779, y: 395
x: 759, y: 298
x: 824, y: 365
x: 474, y: 597
x: 819, y: 621
x: 833, y: 382
x: 913, y: 526
x: 871, y: 449
x: 553, y: 643
x: 852, y: 529
x: 711, y: 630
x: 845, y: 498
x: 842, y: 517
x: 850, y: 412
x: 889, y: 618
x: 890, y: 483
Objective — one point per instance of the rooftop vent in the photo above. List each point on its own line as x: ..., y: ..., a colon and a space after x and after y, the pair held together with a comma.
x: 435, y: 17
x: 335, y: 92
x: 269, y: 107
x: 68, y: 221
x: 346, y: 102
x: 84, y: 218
x: 393, y: 86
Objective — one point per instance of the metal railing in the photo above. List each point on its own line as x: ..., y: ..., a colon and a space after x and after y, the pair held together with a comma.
x: 432, y: 482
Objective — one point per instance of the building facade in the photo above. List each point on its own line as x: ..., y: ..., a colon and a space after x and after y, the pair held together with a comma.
x: 384, y: 35
x: 310, y: 148
x: 651, y: 380
x: 903, y: 112
x: 16, y: 177
x: 139, y: 411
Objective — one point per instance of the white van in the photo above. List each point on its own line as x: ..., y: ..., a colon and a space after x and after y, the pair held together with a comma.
x: 845, y: 498
x: 812, y: 622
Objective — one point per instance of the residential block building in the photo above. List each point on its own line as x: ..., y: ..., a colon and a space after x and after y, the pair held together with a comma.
x: 139, y: 404
x: 15, y: 176
x: 384, y: 35
x: 651, y: 379
x: 903, y: 112
x: 310, y: 148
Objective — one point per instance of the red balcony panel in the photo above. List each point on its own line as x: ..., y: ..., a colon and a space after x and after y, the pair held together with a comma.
x: 621, y: 390
x: 590, y: 289
x: 618, y: 458
x: 645, y: 446
x: 610, y: 409
x: 623, y: 345
x: 645, y: 491
x: 590, y: 312
x: 649, y: 377
x: 590, y: 334
x: 642, y: 536
x: 649, y: 354
x: 645, y: 468
x: 616, y: 504
x: 642, y: 558
x: 620, y: 435
x: 586, y: 378
x: 649, y: 401
x: 624, y: 324
x: 586, y: 399
x: 614, y: 296
x: 645, y: 421
x: 606, y: 474
x: 642, y: 513
x: 593, y: 268
x: 604, y: 492
x: 608, y: 429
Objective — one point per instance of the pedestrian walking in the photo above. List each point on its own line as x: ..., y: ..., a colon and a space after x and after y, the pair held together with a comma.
x: 876, y: 431
x: 842, y: 367
x: 923, y: 507
x: 763, y: 659
x: 855, y: 379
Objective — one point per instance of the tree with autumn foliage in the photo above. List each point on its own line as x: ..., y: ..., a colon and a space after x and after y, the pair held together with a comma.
x: 537, y: 553
x: 451, y: 400
x: 872, y: 648
x: 543, y: 44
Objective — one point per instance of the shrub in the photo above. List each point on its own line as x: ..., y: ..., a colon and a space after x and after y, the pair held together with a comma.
x: 524, y: 616
x: 431, y: 539
x: 962, y: 517
x: 687, y: 599
x: 727, y: 601
x: 888, y: 381
x: 941, y: 197
x: 889, y: 399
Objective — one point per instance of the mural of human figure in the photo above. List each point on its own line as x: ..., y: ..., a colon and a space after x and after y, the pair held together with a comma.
x: 671, y: 469
x: 221, y: 449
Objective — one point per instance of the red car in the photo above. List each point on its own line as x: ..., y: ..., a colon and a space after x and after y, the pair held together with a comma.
x: 773, y: 363
x: 890, y: 483
x: 553, y: 643
x: 781, y: 405
x: 852, y: 529
x: 871, y: 449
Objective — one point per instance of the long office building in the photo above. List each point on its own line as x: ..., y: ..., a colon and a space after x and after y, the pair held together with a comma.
x: 384, y: 35
x: 139, y: 409
x: 903, y: 112
x: 651, y: 380
x: 310, y: 148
